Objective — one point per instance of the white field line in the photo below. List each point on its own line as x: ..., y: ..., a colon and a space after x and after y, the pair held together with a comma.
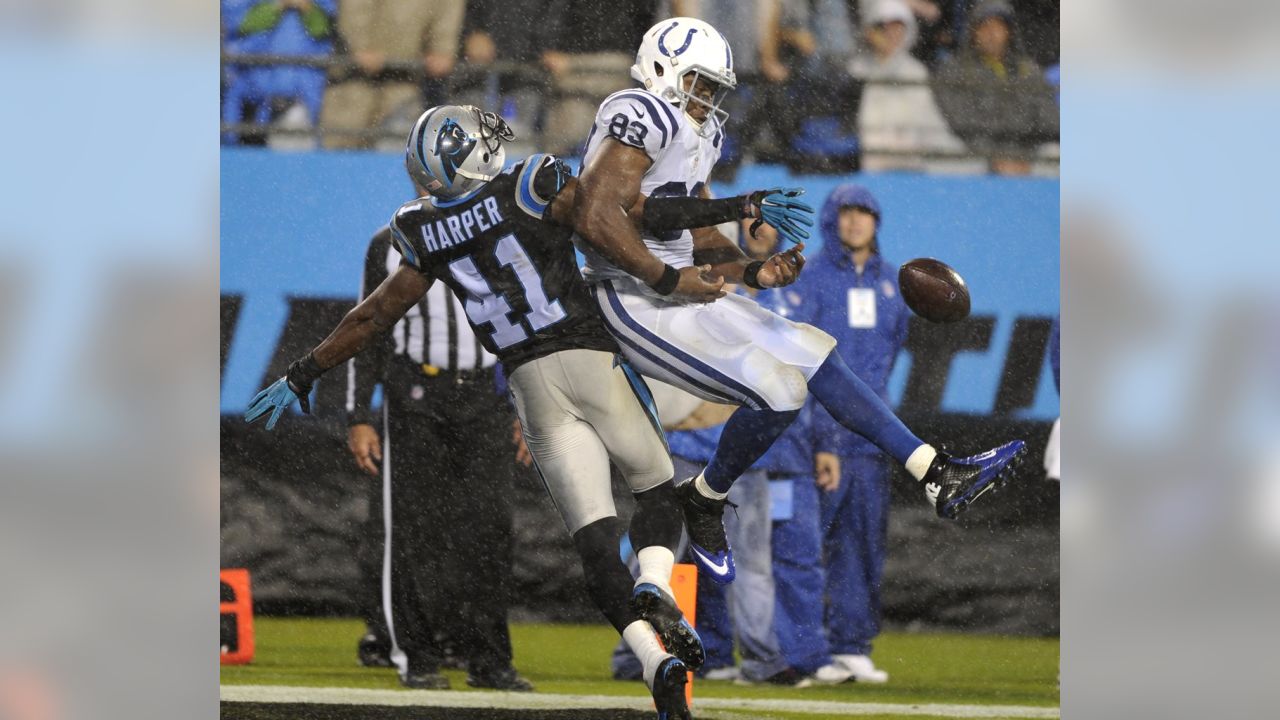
x: 548, y: 701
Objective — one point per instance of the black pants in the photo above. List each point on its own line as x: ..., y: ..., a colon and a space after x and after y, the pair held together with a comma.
x: 451, y: 466
x: 369, y: 558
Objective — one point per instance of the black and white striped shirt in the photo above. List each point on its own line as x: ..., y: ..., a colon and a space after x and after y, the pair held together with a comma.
x: 434, y: 333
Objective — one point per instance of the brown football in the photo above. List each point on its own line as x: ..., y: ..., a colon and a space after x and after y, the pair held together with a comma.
x: 933, y: 290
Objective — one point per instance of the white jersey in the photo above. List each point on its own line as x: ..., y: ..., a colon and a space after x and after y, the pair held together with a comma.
x: 682, y: 161
x: 728, y: 351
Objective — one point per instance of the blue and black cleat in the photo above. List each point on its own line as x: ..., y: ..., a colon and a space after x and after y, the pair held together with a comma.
x: 704, y: 518
x: 654, y: 606
x: 668, y: 690
x: 952, y: 484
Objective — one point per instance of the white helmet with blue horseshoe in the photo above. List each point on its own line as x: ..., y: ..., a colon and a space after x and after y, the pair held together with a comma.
x: 678, y: 47
x: 455, y: 149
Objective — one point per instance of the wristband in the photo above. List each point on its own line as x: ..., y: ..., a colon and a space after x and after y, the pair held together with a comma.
x: 667, y: 283
x: 749, y: 274
x: 303, y: 373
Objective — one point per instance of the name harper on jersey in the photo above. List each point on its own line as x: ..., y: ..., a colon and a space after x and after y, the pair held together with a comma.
x: 457, y: 229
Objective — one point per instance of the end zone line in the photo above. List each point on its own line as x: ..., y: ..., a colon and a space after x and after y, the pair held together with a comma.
x: 544, y: 701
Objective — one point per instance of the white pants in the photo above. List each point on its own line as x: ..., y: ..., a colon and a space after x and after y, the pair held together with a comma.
x: 728, y: 351
x: 580, y: 409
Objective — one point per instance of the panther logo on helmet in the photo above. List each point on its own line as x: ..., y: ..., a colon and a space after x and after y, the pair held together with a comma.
x: 453, y: 146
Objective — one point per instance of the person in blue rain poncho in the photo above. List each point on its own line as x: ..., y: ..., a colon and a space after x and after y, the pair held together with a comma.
x: 851, y: 291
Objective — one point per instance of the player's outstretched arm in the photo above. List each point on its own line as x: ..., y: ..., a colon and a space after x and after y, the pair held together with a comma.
x: 662, y: 215
x: 376, y: 314
x: 776, y: 206
x: 608, y: 189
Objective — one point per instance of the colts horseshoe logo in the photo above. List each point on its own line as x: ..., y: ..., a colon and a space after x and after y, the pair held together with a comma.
x: 662, y: 47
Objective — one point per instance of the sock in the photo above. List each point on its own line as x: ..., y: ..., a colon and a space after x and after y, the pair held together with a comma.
x: 656, y: 564
x: 920, y: 460
x: 747, y: 435
x: 856, y: 407
x: 700, y: 484
x: 643, y: 642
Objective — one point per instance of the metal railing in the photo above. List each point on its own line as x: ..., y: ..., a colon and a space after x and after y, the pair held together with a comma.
x: 341, y: 68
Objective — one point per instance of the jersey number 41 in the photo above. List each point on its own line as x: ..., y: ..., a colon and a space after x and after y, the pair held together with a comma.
x: 486, y: 306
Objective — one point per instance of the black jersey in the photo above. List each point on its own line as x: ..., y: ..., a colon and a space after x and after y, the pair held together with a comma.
x: 514, y: 271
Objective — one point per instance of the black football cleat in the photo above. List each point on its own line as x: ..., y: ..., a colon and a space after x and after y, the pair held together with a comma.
x: 704, y: 517
x: 952, y: 484
x: 668, y: 690
x: 654, y: 606
x: 506, y: 679
x: 374, y: 651
x: 427, y: 680
x: 787, y: 677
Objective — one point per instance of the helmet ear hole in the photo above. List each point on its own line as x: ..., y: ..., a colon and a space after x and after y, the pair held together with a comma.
x: 657, y: 68
x: 486, y: 157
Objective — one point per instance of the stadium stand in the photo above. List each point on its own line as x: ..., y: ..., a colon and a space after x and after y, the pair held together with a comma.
x: 827, y: 86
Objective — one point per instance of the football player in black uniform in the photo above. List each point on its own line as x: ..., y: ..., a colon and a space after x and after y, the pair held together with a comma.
x: 501, y: 242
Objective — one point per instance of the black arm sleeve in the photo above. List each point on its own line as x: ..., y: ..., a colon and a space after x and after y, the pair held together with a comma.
x: 678, y: 213
x: 368, y: 369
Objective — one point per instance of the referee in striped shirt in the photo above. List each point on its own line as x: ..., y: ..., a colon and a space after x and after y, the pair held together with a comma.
x: 443, y: 437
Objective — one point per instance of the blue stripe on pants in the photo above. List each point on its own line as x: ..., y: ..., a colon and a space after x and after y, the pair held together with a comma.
x: 743, y: 393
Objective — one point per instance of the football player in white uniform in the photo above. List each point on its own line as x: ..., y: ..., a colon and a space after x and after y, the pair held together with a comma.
x: 662, y: 140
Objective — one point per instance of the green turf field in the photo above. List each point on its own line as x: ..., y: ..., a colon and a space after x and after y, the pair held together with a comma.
x: 925, y: 669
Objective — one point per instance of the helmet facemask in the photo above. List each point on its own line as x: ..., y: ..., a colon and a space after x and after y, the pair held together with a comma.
x: 689, y: 99
x: 493, y: 130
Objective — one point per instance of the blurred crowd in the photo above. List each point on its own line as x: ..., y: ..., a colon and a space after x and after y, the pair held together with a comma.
x: 824, y: 85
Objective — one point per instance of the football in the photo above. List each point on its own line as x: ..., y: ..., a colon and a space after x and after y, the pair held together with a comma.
x: 933, y: 290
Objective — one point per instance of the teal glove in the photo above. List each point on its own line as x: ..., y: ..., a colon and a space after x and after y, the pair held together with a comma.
x: 275, y: 399
x: 779, y: 208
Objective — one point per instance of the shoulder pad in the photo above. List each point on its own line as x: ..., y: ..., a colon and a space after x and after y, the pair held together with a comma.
x: 404, y: 231
x: 639, y: 119
x: 539, y: 180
